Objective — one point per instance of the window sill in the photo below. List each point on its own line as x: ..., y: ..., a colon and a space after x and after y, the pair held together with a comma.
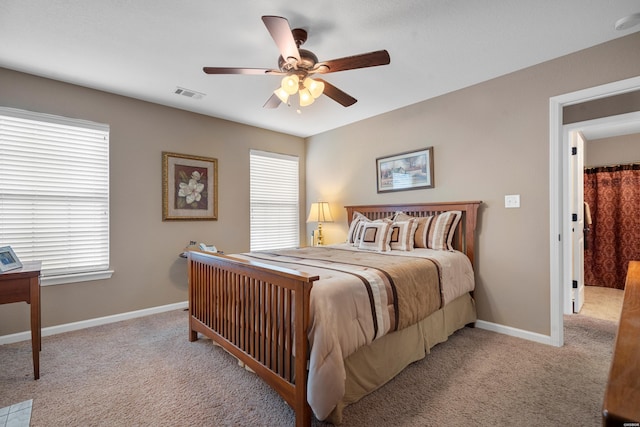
x: 73, y: 278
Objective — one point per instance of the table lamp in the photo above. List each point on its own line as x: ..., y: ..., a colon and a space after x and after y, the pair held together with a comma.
x: 320, y: 213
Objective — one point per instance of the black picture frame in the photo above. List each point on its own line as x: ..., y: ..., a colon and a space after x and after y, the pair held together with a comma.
x: 411, y: 170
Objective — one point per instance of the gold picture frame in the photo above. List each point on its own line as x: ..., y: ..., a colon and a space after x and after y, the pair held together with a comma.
x: 189, y: 187
x: 412, y: 170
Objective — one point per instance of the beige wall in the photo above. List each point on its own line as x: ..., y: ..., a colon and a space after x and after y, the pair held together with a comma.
x: 144, y: 250
x: 489, y: 140
x: 613, y: 151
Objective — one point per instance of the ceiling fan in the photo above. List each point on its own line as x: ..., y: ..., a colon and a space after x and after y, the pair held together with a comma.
x: 299, y: 65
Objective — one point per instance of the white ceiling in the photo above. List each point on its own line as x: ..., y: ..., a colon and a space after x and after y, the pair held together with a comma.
x: 609, y: 127
x: 145, y: 49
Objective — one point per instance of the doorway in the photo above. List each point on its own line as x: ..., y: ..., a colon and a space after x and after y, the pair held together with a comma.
x: 579, y: 137
x: 560, y: 188
x: 606, y: 197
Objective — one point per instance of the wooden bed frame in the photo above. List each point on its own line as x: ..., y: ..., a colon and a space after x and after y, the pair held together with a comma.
x: 248, y: 307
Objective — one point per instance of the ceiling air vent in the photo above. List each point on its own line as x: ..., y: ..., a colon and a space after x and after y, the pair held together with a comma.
x: 188, y: 93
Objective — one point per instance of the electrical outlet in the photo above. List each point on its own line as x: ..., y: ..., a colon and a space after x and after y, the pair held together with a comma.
x: 512, y: 201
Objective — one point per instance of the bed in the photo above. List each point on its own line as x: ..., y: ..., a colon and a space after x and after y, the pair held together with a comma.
x: 267, y: 308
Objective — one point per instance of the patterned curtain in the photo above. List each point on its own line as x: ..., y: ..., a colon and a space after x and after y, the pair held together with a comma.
x: 612, y: 194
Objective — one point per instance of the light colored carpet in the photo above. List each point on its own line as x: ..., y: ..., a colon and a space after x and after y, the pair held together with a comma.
x: 602, y: 303
x: 145, y: 372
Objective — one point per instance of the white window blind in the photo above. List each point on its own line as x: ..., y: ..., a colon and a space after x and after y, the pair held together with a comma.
x: 54, y: 192
x: 274, y: 201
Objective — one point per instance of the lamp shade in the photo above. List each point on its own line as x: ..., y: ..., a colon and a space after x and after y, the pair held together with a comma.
x: 315, y: 87
x: 305, y: 97
x: 282, y: 94
x: 320, y: 212
x: 290, y: 84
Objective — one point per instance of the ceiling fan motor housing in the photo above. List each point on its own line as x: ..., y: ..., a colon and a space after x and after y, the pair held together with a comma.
x: 299, y: 36
x: 307, y: 61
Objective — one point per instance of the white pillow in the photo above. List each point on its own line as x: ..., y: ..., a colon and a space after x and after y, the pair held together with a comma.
x: 357, y: 234
x: 375, y: 236
x: 355, y: 220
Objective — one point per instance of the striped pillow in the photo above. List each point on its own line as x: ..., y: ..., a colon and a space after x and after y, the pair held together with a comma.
x: 357, y: 234
x: 401, y: 216
x: 402, y: 234
x: 422, y: 232
x: 436, y: 232
x: 355, y: 220
x: 376, y: 235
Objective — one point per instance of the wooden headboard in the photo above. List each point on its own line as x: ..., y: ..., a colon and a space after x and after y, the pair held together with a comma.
x: 464, y: 237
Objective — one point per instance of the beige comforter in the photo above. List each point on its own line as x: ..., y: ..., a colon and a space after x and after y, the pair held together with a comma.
x: 360, y: 297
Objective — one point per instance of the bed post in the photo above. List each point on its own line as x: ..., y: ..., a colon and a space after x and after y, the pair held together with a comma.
x: 301, y: 405
x: 471, y: 219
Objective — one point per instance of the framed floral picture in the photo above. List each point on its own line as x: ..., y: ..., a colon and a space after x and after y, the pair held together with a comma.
x: 189, y: 187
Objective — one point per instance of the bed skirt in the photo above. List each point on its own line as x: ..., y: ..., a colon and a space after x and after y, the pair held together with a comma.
x: 372, y: 366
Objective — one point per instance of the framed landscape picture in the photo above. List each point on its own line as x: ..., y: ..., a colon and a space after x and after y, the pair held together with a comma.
x: 405, y: 171
x: 189, y: 187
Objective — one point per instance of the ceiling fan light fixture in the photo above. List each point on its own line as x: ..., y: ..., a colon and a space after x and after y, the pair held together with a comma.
x: 305, y: 97
x: 290, y: 84
x: 296, y: 65
x: 282, y: 95
x: 315, y: 87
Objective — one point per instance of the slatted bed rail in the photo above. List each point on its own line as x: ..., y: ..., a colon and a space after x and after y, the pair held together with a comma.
x: 257, y: 313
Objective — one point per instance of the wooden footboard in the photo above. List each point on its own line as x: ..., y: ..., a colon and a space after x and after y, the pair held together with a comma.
x: 258, y: 313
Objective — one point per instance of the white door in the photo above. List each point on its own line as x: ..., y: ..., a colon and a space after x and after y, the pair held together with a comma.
x: 577, y: 224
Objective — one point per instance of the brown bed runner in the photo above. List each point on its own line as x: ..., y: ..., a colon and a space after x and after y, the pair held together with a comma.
x: 412, y: 284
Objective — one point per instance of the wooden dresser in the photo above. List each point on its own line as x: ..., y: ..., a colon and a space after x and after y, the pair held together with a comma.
x: 622, y: 397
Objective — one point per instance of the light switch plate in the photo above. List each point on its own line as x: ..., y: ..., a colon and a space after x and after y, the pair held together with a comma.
x: 512, y: 201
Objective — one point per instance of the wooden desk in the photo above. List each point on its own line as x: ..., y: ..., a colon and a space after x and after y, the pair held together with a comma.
x: 23, y: 284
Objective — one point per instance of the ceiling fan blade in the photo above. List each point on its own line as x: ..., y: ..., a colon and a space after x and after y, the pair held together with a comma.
x: 273, y: 102
x: 280, y: 31
x: 371, y: 59
x: 229, y: 70
x: 336, y: 94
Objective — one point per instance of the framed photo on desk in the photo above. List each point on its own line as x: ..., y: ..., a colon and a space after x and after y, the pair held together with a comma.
x: 8, y: 259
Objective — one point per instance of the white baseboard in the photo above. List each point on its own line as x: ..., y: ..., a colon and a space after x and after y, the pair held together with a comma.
x: 514, y: 332
x: 68, y: 327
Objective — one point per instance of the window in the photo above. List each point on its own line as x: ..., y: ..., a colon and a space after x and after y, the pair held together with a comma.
x: 274, y: 201
x: 54, y: 194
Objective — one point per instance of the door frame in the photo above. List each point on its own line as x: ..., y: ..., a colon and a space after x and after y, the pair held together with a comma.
x: 576, y: 292
x: 560, y: 192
